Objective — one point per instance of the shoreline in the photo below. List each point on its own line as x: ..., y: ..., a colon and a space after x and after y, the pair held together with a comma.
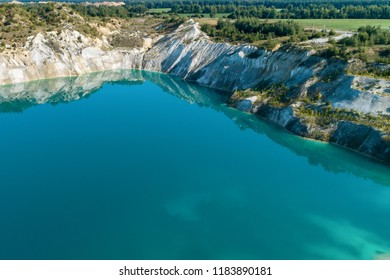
x: 366, y: 156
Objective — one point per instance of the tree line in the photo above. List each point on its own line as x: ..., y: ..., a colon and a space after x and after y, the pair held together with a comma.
x: 272, y: 9
x: 311, y: 11
x: 276, y: 3
x: 110, y: 11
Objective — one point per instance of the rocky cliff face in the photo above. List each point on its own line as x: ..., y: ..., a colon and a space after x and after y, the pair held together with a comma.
x: 65, y: 54
x: 363, y: 139
x: 189, y: 54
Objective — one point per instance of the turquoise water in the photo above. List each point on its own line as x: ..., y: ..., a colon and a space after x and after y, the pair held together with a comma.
x: 150, y: 167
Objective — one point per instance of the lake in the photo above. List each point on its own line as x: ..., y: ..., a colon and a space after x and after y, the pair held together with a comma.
x: 140, y: 165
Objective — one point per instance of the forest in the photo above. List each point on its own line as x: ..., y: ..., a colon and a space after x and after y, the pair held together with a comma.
x: 300, y: 11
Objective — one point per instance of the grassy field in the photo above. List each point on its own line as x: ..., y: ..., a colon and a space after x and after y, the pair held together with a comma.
x: 159, y: 11
x: 343, y: 24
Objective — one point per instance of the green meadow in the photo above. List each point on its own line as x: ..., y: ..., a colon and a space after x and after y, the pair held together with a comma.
x: 343, y: 24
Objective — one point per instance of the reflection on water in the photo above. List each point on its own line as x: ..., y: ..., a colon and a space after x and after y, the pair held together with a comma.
x: 18, y: 97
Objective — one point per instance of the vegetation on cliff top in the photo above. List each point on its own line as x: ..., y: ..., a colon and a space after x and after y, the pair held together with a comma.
x: 18, y: 22
x: 259, y: 32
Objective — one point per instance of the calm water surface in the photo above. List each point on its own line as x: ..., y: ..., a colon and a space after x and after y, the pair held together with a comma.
x: 150, y: 167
